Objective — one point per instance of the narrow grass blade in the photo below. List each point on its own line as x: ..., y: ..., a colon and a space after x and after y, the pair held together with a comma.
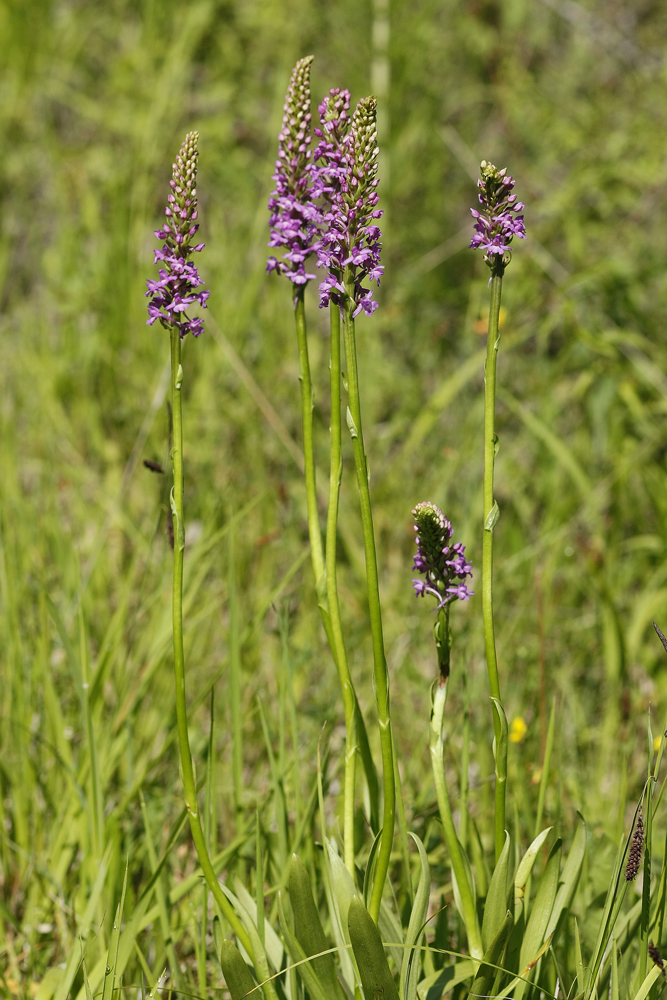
x: 651, y: 979
x: 110, y: 986
x: 84, y: 928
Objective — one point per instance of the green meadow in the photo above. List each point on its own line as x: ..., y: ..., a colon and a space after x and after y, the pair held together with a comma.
x: 95, y: 101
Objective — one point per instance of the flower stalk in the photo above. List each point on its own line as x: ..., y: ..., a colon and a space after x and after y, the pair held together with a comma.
x: 295, y: 225
x: 444, y: 567
x: 490, y: 518
x: 339, y: 650
x: 380, y: 673
x: 496, y: 224
x: 349, y: 251
x: 169, y: 301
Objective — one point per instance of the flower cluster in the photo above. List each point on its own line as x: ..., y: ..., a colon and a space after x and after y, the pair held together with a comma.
x: 656, y: 957
x: 444, y: 566
x: 176, y: 288
x: 295, y: 217
x: 347, y: 153
x: 498, y: 221
x: 636, y: 849
x: 330, y: 177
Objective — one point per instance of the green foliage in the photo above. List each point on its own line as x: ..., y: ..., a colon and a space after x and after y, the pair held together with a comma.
x: 237, y: 974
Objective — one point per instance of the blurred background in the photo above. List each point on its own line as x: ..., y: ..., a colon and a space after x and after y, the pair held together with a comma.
x: 95, y: 101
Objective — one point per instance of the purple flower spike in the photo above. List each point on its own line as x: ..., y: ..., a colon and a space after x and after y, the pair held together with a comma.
x: 175, y: 289
x: 498, y: 221
x: 346, y: 180
x: 443, y: 566
x: 294, y: 215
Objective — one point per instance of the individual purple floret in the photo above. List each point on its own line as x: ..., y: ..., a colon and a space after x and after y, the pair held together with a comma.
x: 175, y: 290
x: 346, y: 179
x: 497, y: 222
x: 295, y: 217
x: 444, y: 566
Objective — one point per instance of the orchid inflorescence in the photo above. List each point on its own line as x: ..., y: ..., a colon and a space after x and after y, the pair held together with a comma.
x: 295, y: 218
x: 444, y: 566
x: 498, y: 221
x: 325, y: 201
x: 175, y: 289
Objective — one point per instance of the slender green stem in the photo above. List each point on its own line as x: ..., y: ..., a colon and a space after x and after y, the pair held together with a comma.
x: 187, y: 769
x: 314, y: 532
x: 380, y: 674
x: 325, y: 575
x: 339, y: 651
x: 235, y: 679
x: 436, y: 746
x: 490, y: 517
x: 465, y: 768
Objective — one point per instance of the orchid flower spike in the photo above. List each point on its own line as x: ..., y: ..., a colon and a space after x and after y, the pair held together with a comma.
x: 175, y: 290
x: 499, y: 219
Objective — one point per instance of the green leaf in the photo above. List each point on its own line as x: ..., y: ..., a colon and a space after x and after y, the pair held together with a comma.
x: 341, y: 883
x: 471, y: 882
x: 376, y: 978
x: 495, y: 907
x: 237, y: 974
x: 614, y: 972
x: 645, y: 988
x: 492, y: 517
x: 370, y: 868
x: 500, y: 751
x: 524, y: 870
x: 569, y: 878
x: 370, y: 771
x: 540, y: 913
x: 391, y: 930
x: 247, y: 910
x: 625, y: 931
x: 84, y: 928
x: 492, y: 956
x: 410, y: 965
x: 112, y: 955
x: 308, y: 928
x: 433, y: 987
x: 304, y: 967
x: 339, y: 890
x: 578, y: 958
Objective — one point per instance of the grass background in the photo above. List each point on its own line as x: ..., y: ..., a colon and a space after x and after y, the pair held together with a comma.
x: 95, y: 101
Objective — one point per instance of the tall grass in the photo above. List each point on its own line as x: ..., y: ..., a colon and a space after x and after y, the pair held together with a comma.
x: 96, y: 99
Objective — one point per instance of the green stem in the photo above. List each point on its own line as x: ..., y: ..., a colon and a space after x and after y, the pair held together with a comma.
x: 380, y: 674
x: 339, y: 651
x: 314, y: 533
x: 189, y: 783
x: 490, y: 517
x: 325, y: 576
x: 465, y: 768
x: 436, y: 746
x: 235, y: 680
